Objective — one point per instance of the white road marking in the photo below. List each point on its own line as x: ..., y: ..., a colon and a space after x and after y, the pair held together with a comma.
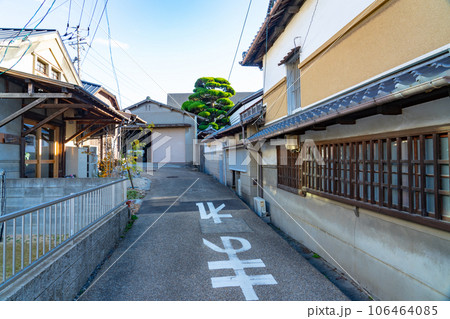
x: 214, y: 212
x: 241, y: 279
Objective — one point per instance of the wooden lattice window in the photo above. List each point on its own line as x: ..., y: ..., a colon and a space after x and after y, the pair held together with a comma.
x: 288, y: 171
x: 406, y: 176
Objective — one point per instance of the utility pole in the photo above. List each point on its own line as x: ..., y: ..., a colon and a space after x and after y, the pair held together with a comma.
x: 78, y: 52
x: 77, y: 44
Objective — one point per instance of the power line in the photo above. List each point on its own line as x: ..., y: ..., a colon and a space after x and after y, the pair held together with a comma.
x: 310, y: 23
x: 68, y: 18
x: 26, y: 38
x: 311, y: 64
x: 81, y: 14
x: 303, y: 45
x: 124, y: 75
x: 96, y: 29
x: 18, y: 33
x: 92, y: 16
x: 111, y: 55
x: 107, y: 87
x: 53, y: 10
x: 143, y: 70
x: 240, y: 37
x: 106, y: 69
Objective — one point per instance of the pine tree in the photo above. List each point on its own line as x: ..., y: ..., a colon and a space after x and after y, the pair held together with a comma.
x: 211, y: 100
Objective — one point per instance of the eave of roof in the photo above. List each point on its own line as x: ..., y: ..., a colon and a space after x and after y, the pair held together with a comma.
x: 289, y: 56
x: 231, y: 129
x: 11, y: 33
x: 172, y: 108
x: 279, y: 17
x: 69, y: 86
x: 245, y: 100
x: 417, y: 79
x: 91, y: 87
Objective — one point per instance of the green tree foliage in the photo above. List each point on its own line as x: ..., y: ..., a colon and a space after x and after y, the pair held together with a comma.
x: 211, y: 100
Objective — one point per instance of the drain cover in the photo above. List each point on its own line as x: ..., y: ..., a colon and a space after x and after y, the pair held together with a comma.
x: 172, y: 176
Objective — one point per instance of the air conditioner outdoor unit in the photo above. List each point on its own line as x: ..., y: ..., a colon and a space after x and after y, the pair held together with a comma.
x: 260, y: 206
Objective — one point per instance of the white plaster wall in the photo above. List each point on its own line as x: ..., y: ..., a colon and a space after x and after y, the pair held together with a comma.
x: 391, y: 258
x: 330, y: 17
x: 235, y: 117
x: 388, y: 256
x: 46, y: 46
x: 172, y: 151
x: 421, y: 115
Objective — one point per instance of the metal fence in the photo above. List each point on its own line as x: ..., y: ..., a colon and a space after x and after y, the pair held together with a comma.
x: 31, y: 234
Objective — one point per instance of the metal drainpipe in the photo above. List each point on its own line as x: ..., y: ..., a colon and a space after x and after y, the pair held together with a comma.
x: 260, y: 175
x: 2, y: 198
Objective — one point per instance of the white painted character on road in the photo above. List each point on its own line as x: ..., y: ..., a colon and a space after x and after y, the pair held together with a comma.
x: 214, y: 212
x: 242, y: 280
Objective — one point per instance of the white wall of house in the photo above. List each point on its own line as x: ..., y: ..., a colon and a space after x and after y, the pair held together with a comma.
x: 392, y: 258
x: 168, y: 145
x: 48, y: 47
x: 235, y: 117
x: 330, y: 16
x: 181, y: 138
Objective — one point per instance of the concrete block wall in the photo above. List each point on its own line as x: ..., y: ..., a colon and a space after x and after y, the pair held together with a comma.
x: 64, y: 272
x: 27, y: 192
x: 212, y: 167
x: 392, y: 258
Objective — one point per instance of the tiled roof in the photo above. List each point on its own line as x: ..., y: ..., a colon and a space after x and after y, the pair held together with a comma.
x: 289, y: 56
x: 230, y: 128
x: 245, y: 100
x: 91, y: 87
x: 173, y: 108
x: 7, y: 34
x: 419, y: 78
x: 279, y: 17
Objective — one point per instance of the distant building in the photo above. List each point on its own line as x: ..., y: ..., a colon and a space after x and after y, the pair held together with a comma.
x: 171, y: 140
x: 227, y: 157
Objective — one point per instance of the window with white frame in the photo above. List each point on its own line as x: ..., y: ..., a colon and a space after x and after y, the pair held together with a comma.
x: 55, y: 74
x: 41, y: 66
x: 293, y: 84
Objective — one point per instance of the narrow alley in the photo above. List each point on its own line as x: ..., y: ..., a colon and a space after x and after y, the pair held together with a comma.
x: 196, y: 240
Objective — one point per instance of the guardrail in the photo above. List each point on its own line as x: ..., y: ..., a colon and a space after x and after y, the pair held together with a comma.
x: 31, y: 234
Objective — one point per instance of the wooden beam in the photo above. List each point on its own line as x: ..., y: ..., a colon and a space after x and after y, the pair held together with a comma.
x: 293, y: 9
x: 346, y: 121
x: 90, y: 134
x: 389, y: 110
x: 35, y: 95
x: 30, y: 88
x: 79, y: 133
x: 71, y: 106
x: 104, y: 122
x: 43, y: 122
x: 76, y: 119
x: 21, y: 111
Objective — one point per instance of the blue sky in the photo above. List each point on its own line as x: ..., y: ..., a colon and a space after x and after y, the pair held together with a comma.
x: 159, y: 46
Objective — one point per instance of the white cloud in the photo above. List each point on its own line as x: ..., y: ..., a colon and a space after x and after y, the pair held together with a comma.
x: 114, y: 43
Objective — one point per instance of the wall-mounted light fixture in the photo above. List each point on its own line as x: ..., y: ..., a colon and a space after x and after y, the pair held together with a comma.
x: 292, y: 142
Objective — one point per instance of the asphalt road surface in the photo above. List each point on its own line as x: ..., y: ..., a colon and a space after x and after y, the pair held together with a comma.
x: 196, y: 240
